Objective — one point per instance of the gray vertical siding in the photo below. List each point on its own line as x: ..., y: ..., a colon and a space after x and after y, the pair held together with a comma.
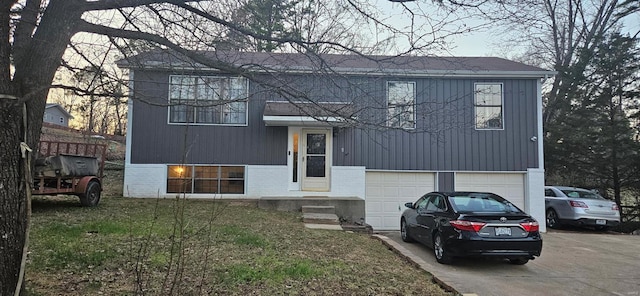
x: 446, y: 181
x: 156, y: 141
x: 444, y: 140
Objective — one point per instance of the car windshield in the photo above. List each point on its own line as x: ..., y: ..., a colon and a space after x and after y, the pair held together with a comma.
x: 482, y: 202
x: 577, y: 193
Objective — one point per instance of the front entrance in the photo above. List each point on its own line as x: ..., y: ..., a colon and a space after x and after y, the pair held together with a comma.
x: 310, y: 159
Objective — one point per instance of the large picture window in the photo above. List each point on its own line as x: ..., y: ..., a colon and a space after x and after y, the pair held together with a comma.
x: 207, y: 99
x: 205, y: 179
x: 488, y: 99
x: 401, y: 98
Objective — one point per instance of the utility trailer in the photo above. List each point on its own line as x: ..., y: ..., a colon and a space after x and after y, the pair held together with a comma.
x: 71, y: 169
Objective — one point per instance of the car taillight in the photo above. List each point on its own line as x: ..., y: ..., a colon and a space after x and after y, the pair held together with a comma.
x: 578, y: 204
x: 467, y: 225
x: 530, y: 226
x: 615, y: 207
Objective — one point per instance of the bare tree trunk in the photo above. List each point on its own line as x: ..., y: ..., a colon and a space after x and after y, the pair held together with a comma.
x: 12, y: 193
x: 90, y: 126
x: 118, y: 130
x: 34, y: 73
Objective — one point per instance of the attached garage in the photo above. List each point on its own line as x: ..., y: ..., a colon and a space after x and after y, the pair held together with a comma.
x: 508, y: 185
x: 387, y: 192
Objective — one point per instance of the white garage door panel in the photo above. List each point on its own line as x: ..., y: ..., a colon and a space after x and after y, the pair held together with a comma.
x: 509, y: 186
x: 387, y: 192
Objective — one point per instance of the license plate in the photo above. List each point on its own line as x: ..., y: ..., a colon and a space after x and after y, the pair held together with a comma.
x: 601, y: 222
x: 503, y: 231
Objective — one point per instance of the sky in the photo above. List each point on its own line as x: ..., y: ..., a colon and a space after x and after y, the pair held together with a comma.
x: 478, y: 43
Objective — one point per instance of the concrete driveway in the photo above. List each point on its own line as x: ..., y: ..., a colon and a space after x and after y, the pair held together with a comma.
x: 572, y: 263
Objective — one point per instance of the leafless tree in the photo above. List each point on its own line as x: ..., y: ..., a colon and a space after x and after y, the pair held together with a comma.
x: 561, y: 35
x: 42, y: 36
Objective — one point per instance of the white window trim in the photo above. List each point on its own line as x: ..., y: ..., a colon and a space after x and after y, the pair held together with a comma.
x: 475, y: 126
x: 246, y: 120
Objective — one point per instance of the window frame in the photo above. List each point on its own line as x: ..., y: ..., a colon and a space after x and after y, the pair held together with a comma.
x: 397, y: 123
x: 192, y: 178
x: 476, y: 106
x: 194, y: 107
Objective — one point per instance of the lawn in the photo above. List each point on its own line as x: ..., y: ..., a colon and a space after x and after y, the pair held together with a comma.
x: 198, y: 247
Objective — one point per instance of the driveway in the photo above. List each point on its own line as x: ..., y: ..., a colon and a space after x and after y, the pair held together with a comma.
x: 572, y: 263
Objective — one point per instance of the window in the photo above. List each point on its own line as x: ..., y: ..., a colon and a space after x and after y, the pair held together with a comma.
x: 482, y: 202
x: 401, y: 97
x: 205, y: 179
x: 436, y: 204
x: 488, y: 105
x: 207, y: 99
x: 421, y: 203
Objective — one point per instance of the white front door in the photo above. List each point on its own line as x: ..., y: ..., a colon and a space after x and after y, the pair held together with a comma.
x: 315, y: 159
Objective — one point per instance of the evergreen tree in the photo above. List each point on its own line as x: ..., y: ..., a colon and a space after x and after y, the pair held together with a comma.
x: 594, y: 144
x: 266, y: 18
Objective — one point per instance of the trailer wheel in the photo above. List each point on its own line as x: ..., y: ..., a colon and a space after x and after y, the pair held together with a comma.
x: 91, y: 197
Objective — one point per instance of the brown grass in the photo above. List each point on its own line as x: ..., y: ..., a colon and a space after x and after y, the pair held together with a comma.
x: 195, y: 247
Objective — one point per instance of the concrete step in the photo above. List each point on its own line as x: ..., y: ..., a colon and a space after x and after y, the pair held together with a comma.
x: 323, y: 226
x: 319, y: 209
x: 315, y: 218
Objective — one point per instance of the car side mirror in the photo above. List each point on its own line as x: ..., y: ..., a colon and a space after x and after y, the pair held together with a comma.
x: 409, y: 205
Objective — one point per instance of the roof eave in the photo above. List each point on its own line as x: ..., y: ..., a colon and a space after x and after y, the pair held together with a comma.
x: 365, y: 71
x: 276, y: 120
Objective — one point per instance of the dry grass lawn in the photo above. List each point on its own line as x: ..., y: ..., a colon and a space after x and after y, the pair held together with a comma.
x: 197, y: 247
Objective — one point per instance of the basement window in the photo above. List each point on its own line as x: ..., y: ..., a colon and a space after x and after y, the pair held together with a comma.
x: 201, y: 179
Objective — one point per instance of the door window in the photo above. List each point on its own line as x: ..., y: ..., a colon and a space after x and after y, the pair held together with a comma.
x: 421, y: 203
x: 295, y: 158
x: 316, y: 155
x: 436, y: 204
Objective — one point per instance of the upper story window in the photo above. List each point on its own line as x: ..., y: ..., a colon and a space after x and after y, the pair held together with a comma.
x: 208, y: 99
x: 401, y: 100
x: 488, y: 100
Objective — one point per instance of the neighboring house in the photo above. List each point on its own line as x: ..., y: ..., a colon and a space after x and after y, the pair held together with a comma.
x: 383, y: 129
x: 55, y: 114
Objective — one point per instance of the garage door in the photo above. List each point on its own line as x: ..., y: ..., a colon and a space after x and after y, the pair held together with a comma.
x: 509, y: 186
x: 387, y: 192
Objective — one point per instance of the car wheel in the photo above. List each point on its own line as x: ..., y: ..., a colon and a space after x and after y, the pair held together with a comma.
x: 552, y: 219
x: 519, y: 261
x: 91, y: 197
x: 439, y: 250
x: 404, y: 231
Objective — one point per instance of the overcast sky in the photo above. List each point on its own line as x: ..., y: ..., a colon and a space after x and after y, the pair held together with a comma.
x: 478, y: 43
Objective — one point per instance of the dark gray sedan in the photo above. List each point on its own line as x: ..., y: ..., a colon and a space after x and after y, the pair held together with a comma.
x: 458, y: 224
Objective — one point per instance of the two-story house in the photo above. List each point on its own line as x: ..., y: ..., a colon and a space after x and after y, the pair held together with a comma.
x: 381, y: 129
x: 56, y: 114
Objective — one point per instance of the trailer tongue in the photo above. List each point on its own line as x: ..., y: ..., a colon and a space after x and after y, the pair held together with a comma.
x: 70, y: 168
